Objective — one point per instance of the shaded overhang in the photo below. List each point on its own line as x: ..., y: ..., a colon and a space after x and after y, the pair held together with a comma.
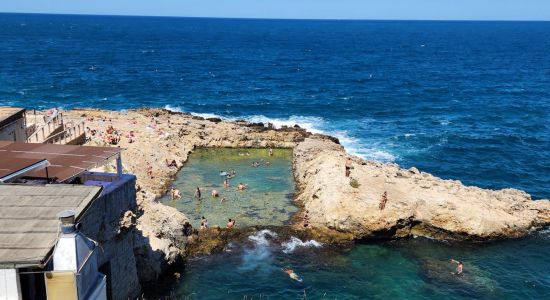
x: 65, y: 161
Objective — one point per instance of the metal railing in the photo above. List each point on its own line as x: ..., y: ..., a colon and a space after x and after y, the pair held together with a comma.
x: 68, y: 135
x: 43, y: 132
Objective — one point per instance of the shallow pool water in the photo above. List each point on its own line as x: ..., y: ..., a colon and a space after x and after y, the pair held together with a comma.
x: 266, y: 201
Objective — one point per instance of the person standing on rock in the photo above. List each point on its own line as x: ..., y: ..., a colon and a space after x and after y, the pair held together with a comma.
x: 383, y: 200
x: 348, y: 167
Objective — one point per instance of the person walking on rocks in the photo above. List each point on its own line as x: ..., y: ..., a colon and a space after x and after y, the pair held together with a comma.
x: 348, y: 167
x: 383, y: 200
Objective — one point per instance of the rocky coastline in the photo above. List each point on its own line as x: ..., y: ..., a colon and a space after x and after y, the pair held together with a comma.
x: 341, y: 209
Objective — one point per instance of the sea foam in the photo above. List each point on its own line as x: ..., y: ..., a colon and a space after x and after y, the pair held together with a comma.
x: 294, y: 242
x: 312, y: 124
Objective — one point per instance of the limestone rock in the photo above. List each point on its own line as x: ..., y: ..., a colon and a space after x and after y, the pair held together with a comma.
x: 418, y: 203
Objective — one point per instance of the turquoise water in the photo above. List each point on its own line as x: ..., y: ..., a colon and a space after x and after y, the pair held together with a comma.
x: 266, y: 201
x: 407, y: 269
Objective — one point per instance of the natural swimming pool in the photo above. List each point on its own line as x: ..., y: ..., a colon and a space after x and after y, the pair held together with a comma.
x: 267, y: 199
x: 407, y: 268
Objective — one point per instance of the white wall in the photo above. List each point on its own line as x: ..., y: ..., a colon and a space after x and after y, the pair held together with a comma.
x: 9, y: 285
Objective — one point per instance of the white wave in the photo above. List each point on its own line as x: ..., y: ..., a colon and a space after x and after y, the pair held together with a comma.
x: 312, y: 124
x: 355, y: 146
x: 261, y: 237
x: 352, y: 145
x: 294, y: 242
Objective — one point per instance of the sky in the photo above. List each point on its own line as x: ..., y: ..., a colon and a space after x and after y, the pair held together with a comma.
x: 297, y: 9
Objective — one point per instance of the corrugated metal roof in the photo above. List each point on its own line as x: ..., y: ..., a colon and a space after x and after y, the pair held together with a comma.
x: 28, y: 219
x: 66, y: 161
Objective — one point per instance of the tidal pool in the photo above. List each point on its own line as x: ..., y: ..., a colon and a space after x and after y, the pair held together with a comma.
x: 266, y: 201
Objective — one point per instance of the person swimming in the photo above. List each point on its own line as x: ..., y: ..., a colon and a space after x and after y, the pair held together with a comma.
x: 459, y: 267
x: 204, y: 223
x: 230, y: 224
x: 175, y: 193
x: 241, y: 187
x: 215, y: 193
x: 197, y: 194
x: 292, y: 274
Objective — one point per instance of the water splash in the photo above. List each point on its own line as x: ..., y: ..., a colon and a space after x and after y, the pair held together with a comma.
x: 258, y: 256
x: 294, y: 242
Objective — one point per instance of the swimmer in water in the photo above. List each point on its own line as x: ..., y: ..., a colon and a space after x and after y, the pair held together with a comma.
x: 459, y: 267
x: 225, y: 183
x: 175, y: 193
x: 230, y: 224
x: 197, y: 194
x: 204, y: 223
x: 241, y: 187
x: 292, y: 274
x: 215, y: 193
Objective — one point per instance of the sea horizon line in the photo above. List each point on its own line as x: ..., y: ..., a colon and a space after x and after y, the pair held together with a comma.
x: 274, y: 18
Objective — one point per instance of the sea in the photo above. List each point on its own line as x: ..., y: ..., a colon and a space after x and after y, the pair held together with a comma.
x: 462, y: 100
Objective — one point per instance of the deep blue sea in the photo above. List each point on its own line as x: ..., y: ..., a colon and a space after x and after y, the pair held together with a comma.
x: 462, y: 100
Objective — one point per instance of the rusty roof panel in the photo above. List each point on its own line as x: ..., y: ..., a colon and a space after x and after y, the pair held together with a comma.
x: 67, y: 161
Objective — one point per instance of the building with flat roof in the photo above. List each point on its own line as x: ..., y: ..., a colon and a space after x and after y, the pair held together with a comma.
x: 13, y: 124
x: 37, y: 182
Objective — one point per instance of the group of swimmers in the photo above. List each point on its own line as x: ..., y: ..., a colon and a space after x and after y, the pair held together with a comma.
x: 259, y: 163
x: 230, y: 224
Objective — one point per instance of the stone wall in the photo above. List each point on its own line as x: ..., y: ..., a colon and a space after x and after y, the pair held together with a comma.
x: 15, y: 131
x: 102, y: 223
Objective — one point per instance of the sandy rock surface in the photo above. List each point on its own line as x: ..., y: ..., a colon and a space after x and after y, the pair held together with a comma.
x: 151, y: 137
x: 418, y: 203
